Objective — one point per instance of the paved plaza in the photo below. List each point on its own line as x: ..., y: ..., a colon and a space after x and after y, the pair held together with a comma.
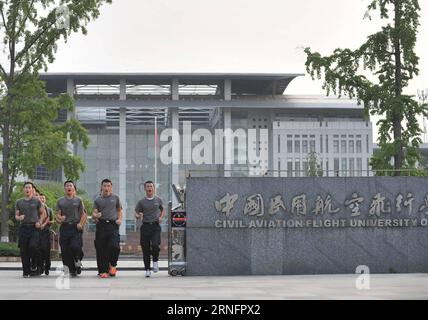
x: 131, y: 284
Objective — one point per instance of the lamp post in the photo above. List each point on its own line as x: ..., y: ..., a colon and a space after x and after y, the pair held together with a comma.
x: 423, y: 98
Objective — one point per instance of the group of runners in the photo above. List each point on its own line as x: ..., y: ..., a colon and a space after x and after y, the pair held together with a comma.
x: 36, y: 219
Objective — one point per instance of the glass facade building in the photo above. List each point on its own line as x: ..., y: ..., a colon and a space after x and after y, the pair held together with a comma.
x: 126, y: 114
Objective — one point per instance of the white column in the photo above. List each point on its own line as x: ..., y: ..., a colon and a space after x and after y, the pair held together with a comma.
x: 70, y: 115
x: 175, y: 125
x: 70, y: 87
x: 122, y: 160
x: 227, y: 114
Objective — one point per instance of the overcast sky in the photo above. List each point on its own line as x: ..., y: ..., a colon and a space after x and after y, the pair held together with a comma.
x: 223, y: 36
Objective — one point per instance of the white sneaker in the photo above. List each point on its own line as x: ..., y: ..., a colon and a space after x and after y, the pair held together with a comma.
x: 78, y: 264
x: 148, y: 273
x: 155, y: 267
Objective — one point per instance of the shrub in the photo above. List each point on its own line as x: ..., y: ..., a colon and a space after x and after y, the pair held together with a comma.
x: 9, y: 250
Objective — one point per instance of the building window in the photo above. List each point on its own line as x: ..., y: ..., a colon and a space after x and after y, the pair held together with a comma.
x: 305, y: 146
x: 367, y: 143
x: 321, y: 144
x: 290, y: 167
x: 43, y: 174
x: 351, y: 146
x: 336, y: 146
x: 359, y: 167
x: 289, y: 146
x: 359, y: 148
x: 343, y: 146
x: 352, y: 167
x: 326, y: 143
x: 297, y: 167
x: 312, y: 146
x: 336, y: 167
x: 305, y: 169
x: 297, y: 146
x: 344, y: 167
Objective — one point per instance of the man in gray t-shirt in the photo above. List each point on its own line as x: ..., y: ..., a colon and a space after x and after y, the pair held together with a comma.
x: 108, y: 205
x: 71, y: 208
x: 30, y: 212
x: 108, y: 216
x: 45, y: 238
x: 29, y: 209
x: 150, y: 209
x: 71, y: 214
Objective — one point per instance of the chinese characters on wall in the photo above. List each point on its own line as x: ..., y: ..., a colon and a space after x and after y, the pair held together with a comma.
x: 380, y: 208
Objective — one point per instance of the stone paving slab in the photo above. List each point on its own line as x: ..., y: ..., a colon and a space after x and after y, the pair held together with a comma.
x: 133, y: 285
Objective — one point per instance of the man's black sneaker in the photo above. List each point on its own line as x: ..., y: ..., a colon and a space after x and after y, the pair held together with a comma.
x: 35, y: 274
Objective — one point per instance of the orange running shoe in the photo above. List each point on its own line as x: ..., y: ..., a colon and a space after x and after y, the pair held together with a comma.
x: 104, y: 275
x: 112, y: 271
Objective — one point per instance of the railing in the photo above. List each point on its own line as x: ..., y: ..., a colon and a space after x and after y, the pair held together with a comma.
x: 305, y: 173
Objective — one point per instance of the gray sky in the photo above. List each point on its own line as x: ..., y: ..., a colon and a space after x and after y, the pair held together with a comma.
x: 223, y: 36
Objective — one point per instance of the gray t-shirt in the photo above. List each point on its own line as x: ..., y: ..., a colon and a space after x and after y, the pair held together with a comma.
x: 49, y: 214
x: 72, y: 209
x: 151, y: 208
x: 108, y: 206
x: 30, y: 208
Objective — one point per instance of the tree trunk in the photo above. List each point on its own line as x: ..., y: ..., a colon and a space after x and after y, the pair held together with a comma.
x: 6, y: 142
x: 5, y: 187
x: 398, y: 88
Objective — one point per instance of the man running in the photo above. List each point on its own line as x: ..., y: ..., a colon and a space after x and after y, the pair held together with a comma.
x: 70, y: 213
x: 108, y: 214
x: 150, y: 210
x: 30, y: 212
x: 45, y: 238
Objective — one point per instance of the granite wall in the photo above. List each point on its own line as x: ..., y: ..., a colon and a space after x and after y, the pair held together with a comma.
x: 275, y: 226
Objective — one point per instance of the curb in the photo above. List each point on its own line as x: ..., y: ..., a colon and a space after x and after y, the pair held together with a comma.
x: 85, y: 269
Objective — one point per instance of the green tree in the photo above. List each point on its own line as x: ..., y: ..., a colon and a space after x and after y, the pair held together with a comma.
x: 314, y: 167
x: 389, y: 55
x: 30, y: 31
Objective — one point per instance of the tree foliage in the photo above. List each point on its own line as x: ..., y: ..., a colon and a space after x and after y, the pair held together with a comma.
x: 31, y: 136
x: 389, y: 56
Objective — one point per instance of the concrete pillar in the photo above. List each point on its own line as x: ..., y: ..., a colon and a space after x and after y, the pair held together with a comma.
x: 227, y: 90
x: 70, y: 87
x: 122, y: 160
x: 227, y: 122
x: 70, y: 115
x: 175, y: 124
x: 174, y: 90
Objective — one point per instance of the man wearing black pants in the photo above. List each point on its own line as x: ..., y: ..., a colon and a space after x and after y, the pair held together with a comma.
x: 45, y: 238
x: 72, y: 217
x: 108, y: 214
x: 150, y: 210
x: 30, y: 212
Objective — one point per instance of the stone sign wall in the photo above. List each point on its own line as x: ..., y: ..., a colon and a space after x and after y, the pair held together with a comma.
x: 274, y: 226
